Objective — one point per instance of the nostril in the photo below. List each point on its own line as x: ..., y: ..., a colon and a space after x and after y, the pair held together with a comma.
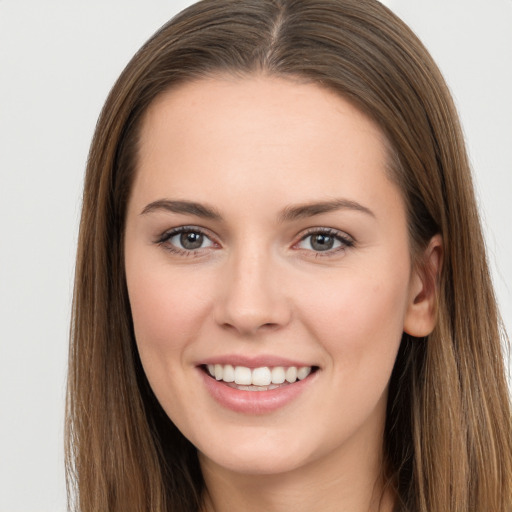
x: 248, y: 329
x: 270, y: 325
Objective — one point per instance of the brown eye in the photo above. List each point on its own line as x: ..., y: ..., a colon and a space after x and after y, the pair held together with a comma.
x: 186, y: 239
x: 191, y: 240
x: 329, y: 241
x: 321, y: 242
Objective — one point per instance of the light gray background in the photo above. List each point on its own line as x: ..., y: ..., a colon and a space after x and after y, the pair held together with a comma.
x: 58, y: 60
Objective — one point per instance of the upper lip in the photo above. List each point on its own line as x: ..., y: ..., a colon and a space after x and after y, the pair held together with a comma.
x: 253, y: 361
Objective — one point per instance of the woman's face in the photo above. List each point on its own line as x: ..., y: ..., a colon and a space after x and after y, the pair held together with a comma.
x: 264, y: 239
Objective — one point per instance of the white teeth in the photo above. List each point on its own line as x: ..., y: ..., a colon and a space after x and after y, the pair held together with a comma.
x: 263, y: 377
x: 291, y: 374
x: 229, y: 374
x: 278, y: 375
x: 243, y: 375
x: 302, y: 372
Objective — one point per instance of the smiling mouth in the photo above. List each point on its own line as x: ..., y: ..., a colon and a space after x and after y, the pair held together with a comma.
x: 264, y: 378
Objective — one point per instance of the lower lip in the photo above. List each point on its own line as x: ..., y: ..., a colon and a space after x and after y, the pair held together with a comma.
x: 255, y: 402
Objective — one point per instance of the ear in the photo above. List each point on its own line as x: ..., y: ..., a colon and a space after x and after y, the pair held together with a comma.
x: 421, y: 314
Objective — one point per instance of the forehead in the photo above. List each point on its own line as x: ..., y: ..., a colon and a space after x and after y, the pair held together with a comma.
x: 264, y: 135
x: 250, y: 103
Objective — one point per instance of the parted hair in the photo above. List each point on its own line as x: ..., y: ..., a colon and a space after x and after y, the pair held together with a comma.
x: 448, y: 430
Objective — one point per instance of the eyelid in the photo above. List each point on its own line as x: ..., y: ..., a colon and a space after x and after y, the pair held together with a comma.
x: 346, y: 240
x: 166, y: 236
x: 168, y: 233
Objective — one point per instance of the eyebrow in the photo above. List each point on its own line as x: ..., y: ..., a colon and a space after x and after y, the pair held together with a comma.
x: 311, y: 209
x: 290, y: 213
x: 185, y: 207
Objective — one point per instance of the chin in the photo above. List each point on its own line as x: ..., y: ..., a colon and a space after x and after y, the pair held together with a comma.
x: 253, y: 464
x: 259, y: 454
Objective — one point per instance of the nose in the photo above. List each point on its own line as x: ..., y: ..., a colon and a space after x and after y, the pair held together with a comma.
x: 252, y: 298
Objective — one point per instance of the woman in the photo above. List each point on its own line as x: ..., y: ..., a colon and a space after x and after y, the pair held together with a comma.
x: 282, y: 299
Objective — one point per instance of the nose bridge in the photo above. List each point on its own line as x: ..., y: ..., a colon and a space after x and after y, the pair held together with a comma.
x: 252, y: 298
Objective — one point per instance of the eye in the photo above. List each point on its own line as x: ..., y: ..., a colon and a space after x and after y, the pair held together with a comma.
x: 190, y: 240
x: 324, y: 240
x: 185, y: 239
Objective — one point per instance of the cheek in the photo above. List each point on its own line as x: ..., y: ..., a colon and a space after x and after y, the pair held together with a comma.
x: 167, y: 308
x: 359, y: 319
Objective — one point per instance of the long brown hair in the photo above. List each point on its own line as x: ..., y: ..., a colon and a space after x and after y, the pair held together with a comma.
x: 448, y: 434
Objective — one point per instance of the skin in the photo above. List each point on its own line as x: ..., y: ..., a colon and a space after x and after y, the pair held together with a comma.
x: 249, y: 149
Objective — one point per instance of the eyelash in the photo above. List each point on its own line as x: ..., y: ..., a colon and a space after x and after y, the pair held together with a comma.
x: 165, y: 238
x: 344, y: 240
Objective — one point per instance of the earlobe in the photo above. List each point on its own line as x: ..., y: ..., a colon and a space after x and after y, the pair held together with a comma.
x: 421, y: 314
